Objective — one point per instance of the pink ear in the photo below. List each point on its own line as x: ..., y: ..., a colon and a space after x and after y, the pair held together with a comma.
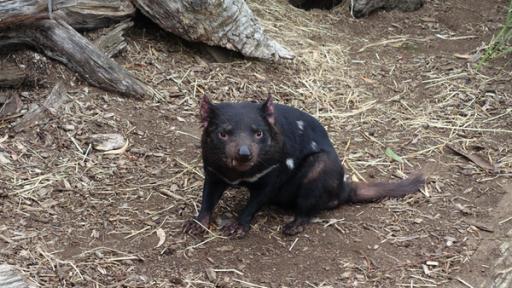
x: 205, y: 110
x: 268, y: 109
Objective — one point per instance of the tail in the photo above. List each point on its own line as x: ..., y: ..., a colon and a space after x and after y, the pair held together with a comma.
x: 368, y: 192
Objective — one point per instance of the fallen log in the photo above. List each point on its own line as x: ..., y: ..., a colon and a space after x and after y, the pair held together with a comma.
x: 79, y: 14
x: 226, y: 23
x: 14, y: 12
x: 58, y: 40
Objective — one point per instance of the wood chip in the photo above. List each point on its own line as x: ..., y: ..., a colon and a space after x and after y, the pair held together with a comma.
x: 161, y: 237
x: 475, y: 158
x: 480, y: 226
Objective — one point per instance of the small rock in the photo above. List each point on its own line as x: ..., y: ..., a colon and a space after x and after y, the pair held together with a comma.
x: 68, y: 127
x: 226, y: 248
x: 417, y: 220
x: 106, y: 142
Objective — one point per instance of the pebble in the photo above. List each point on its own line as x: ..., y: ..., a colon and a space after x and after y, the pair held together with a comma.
x: 68, y: 127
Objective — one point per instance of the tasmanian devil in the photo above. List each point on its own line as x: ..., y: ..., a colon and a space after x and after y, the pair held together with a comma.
x: 284, y: 157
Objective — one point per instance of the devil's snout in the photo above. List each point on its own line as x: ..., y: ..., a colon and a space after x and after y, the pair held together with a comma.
x: 244, y: 154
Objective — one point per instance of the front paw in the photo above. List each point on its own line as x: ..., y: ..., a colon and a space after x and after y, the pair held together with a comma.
x: 195, y: 227
x: 292, y: 229
x: 235, y: 230
x: 296, y: 226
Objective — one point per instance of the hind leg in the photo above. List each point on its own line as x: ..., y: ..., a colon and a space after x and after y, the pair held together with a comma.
x: 319, y: 189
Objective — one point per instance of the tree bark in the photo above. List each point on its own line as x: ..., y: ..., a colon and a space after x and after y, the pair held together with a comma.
x: 80, y: 14
x: 226, y: 23
x: 14, y: 12
x: 113, y: 41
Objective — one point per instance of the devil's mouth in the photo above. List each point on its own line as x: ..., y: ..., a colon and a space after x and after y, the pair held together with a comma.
x: 240, y: 166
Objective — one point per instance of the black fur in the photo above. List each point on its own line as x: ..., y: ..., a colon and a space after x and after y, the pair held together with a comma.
x: 293, y: 164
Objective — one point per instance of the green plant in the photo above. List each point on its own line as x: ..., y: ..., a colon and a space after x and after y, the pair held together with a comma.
x: 501, y: 43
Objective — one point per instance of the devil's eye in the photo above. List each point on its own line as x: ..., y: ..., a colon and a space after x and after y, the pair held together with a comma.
x: 223, y: 135
x: 259, y: 134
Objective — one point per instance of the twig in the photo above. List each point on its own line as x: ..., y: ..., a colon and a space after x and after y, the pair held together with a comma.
x: 249, y: 283
x: 464, y: 282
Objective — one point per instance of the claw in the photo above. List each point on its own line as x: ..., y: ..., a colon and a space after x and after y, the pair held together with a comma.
x: 195, y: 226
x: 235, y: 230
x: 296, y: 226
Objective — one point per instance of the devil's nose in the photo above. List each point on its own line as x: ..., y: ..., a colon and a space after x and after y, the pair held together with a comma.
x: 244, y: 154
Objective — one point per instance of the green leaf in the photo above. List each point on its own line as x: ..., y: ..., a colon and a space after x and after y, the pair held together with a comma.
x: 391, y: 154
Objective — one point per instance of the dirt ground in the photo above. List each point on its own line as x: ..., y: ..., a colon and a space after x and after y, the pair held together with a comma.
x: 73, y: 217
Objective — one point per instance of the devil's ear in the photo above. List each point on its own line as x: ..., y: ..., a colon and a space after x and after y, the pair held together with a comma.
x: 205, y: 110
x: 268, y: 110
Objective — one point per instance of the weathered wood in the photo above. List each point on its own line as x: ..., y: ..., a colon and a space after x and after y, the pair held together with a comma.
x: 14, y: 12
x: 226, y: 23
x: 92, y: 14
x: 9, y: 278
x: 113, y: 41
x: 41, y: 113
x: 11, y: 75
x: 80, y: 14
x: 9, y: 106
x: 59, y: 41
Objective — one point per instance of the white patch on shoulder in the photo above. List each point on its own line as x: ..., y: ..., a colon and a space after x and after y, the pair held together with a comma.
x: 300, y: 124
x: 290, y: 164
x: 314, y: 146
x: 346, y: 178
